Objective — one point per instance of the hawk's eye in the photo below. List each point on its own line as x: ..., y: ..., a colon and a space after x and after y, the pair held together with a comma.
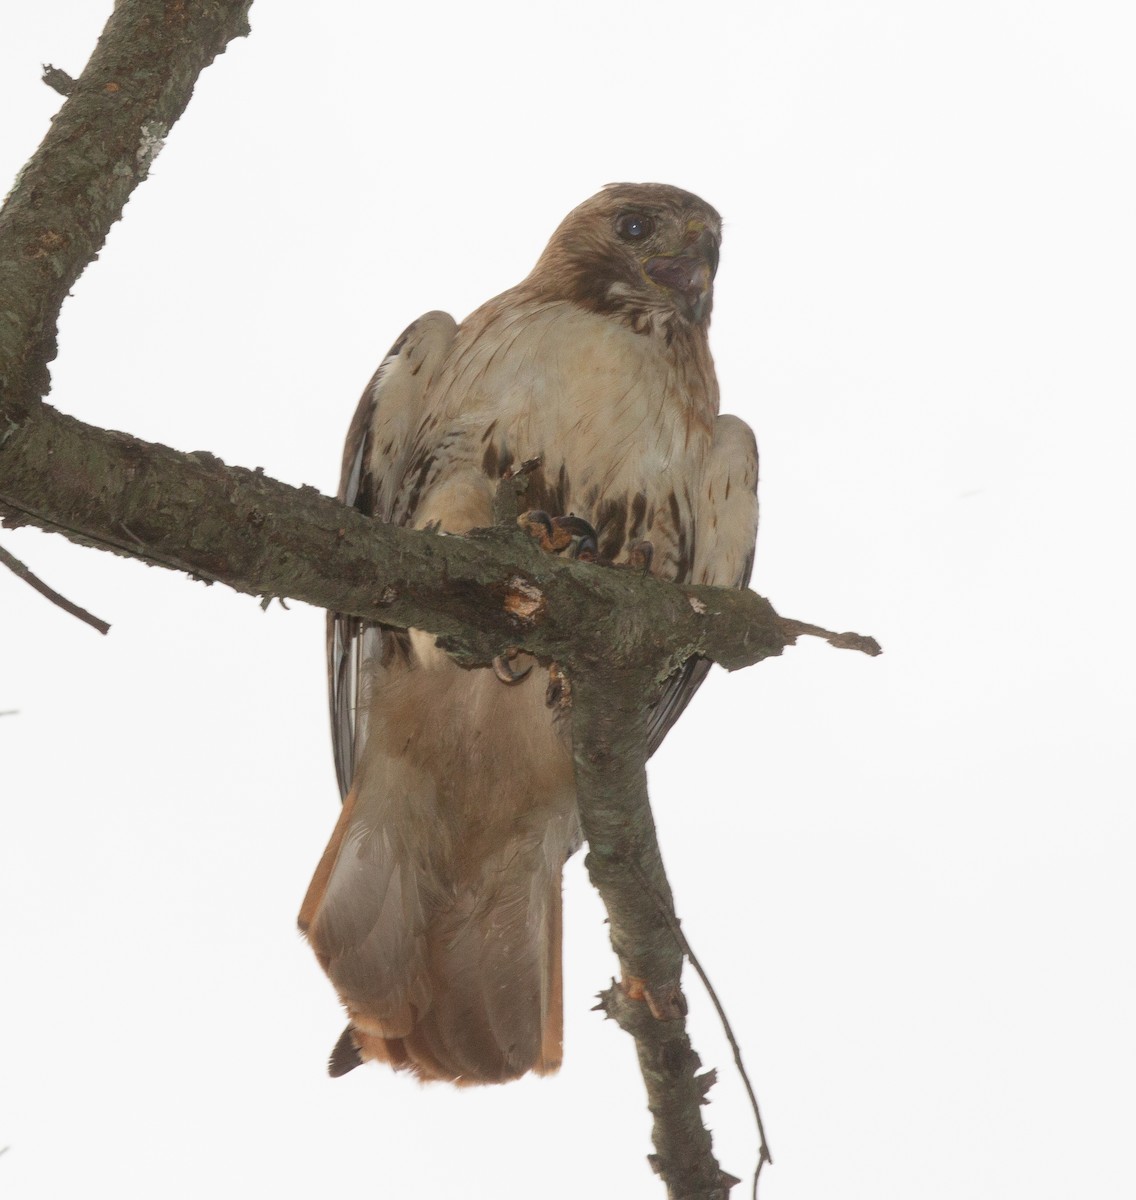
x: 634, y: 227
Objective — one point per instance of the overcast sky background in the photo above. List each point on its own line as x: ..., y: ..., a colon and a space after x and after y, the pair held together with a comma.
x: 911, y: 878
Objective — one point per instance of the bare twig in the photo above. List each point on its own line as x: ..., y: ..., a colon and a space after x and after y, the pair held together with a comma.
x: 58, y: 80
x: 841, y: 641
x: 32, y: 580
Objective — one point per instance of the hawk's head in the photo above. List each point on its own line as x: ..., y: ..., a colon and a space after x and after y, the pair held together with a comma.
x: 644, y: 251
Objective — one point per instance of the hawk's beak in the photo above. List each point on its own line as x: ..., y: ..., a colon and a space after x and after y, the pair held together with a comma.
x: 688, y: 276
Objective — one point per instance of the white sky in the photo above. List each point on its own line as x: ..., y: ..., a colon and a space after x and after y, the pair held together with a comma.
x: 911, y: 878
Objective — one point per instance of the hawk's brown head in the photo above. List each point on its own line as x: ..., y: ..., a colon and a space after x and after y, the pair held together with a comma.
x: 644, y: 251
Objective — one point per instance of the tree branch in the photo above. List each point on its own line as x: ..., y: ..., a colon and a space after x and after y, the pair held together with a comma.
x: 99, y: 148
x: 33, y: 581
x: 481, y: 594
x: 624, y: 864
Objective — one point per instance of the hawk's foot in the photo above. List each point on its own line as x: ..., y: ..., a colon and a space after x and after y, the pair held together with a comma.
x: 557, y: 534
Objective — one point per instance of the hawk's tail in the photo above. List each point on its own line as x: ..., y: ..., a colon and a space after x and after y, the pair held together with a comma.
x: 456, y: 980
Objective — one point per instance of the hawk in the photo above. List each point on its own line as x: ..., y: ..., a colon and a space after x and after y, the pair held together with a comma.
x: 436, y: 907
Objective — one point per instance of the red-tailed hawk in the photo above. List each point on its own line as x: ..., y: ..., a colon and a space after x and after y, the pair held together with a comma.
x: 436, y: 906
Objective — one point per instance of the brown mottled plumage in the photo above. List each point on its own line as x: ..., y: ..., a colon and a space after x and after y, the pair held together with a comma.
x: 435, y: 909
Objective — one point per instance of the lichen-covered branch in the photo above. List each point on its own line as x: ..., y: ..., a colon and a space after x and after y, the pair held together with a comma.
x: 676, y: 1091
x: 99, y: 147
x: 481, y: 594
x: 624, y: 864
x: 610, y: 752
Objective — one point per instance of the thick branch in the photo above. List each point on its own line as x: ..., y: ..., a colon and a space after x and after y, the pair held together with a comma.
x: 624, y: 864
x: 609, y: 747
x: 99, y: 147
x: 482, y: 594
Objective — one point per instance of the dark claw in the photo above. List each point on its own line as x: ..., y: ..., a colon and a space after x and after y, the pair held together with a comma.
x: 575, y: 535
x: 574, y: 526
x: 503, y: 668
x: 559, y: 691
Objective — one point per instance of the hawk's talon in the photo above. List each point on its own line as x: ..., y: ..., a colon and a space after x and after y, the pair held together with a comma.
x: 503, y: 667
x: 583, y: 545
x: 558, y: 694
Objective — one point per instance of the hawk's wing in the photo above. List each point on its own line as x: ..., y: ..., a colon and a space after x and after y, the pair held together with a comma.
x: 725, y: 531
x: 373, y: 464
